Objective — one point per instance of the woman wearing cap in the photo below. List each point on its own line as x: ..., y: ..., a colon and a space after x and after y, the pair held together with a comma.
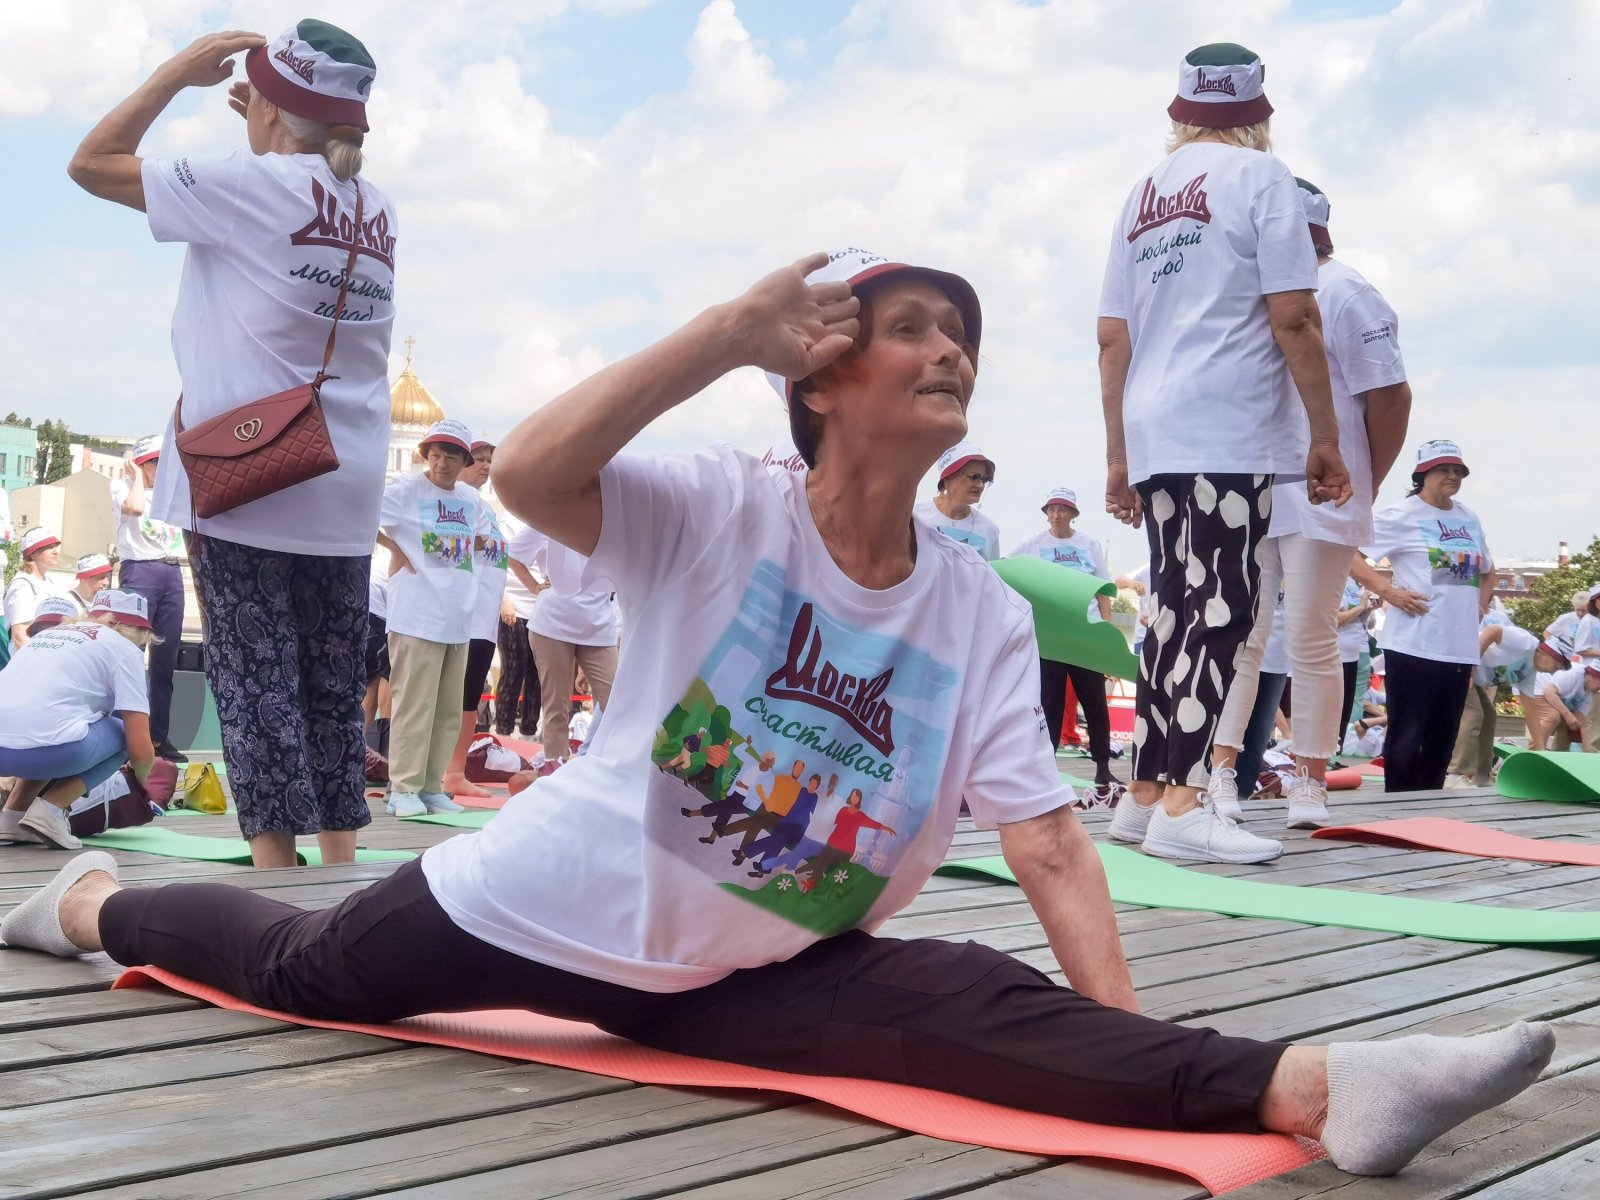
x: 1586, y: 635
x: 150, y: 553
x: 74, y: 707
x: 93, y: 575
x: 1568, y: 695
x: 433, y: 525
x: 270, y: 227
x: 963, y: 472
x: 1442, y: 584
x: 41, y: 552
x: 1063, y: 545
x: 1208, y: 328
x: 54, y: 610
x: 813, y: 611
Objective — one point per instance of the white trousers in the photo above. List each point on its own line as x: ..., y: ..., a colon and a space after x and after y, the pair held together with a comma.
x: 1312, y: 576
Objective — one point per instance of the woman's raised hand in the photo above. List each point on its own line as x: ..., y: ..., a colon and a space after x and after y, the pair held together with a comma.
x: 791, y: 327
x: 207, y: 61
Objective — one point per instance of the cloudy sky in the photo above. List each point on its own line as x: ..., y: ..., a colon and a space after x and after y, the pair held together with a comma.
x: 575, y: 177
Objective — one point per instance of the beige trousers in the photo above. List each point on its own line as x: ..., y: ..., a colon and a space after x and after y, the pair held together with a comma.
x: 1546, y: 729
x: 425, y: 679
x: 1474, y: 754
x: 555, y: 662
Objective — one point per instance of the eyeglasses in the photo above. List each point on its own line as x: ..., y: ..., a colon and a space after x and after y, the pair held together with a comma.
x: 978, y: 477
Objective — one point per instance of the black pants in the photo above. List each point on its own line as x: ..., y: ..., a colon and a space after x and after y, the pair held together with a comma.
x: 1090, y: 688
x: 161, y: 585
x: 516, y: 696
x: 1270, y: 691
x: 958, y: 1018
x: 1425, y: 699
x: 480, y: 657
x: 1351, y: 669
x: 1212, y: 525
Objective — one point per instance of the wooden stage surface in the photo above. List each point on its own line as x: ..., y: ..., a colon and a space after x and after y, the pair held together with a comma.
x: 147, y: 1094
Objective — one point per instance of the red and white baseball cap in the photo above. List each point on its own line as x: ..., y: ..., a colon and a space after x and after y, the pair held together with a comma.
x: 1592, y: 665
x: 91, y: 566
x: 1221, y: 86
x: 52, y: 610
x: 1316, y: 208
x: 958, y: 456
x: 1557, y: 648
x: 317, y: 71
x: 1439, y: 453
x: 1060, y: 495
x: 38, y: 539
x: 858, y: 267
x: 448, y: 433
x: 146, y: 449
x: 482, y: 442
x: 129, y: 608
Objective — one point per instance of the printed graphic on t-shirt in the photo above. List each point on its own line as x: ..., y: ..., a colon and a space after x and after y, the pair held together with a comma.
x: 496, y: 549
x: 798, y: 767
x: 168, y: 537
x: 967, y: 536
x: 1068, y: 556
x: 1163, y: 256
x: 446, y: 533
x: 1455, y: 549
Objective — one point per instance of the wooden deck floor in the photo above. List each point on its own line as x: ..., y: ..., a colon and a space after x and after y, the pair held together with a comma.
x: 147, y: 1094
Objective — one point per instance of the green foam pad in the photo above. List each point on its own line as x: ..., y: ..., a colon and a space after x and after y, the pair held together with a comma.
x: 1060, y: 598
x: 472, y: 819
x: 1139, y: 879
x: 153, y: 839
x: 1550, y: 775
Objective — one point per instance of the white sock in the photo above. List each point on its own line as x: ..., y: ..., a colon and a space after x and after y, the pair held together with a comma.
x: 1387, y: 1100
x: 35, y: 924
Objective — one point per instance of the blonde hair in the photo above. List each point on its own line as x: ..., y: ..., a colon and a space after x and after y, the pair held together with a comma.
x: 339, y: 144
x: 137, y: 634
x: 1248, y: 137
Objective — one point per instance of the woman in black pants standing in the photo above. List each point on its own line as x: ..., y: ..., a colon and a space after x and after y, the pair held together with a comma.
x: 1443, y: 584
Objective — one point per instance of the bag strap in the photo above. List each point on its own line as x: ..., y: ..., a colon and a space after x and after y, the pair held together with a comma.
x: 344, y: 286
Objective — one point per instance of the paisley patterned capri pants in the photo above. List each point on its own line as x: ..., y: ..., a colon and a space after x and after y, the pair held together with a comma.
x: 285, y: 655
x: 1206, y: 533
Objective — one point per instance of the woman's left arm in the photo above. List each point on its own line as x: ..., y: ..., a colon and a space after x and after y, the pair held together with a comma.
x: 141, y: 750
x: 107, y: 162
x: 1059, y: 871
x: 1486, y: 581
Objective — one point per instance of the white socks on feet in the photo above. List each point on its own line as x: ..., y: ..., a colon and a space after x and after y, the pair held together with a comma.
x: 35, y: 924
x: 1387, y: 1100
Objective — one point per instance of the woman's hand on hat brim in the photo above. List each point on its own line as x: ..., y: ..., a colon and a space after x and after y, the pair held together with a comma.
x: 794, y: 328
x: 207, y: 61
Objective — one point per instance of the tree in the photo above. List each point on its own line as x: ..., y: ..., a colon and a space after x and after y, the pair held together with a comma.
x: 13, y: 419
x: 55, y: 452
x: 1552, y: 594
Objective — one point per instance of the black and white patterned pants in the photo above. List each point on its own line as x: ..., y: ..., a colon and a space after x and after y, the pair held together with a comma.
x: 1205, y: 533
x: 285, y: 655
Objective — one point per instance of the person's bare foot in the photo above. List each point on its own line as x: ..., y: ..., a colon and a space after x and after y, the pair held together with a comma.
x: 457, y: 784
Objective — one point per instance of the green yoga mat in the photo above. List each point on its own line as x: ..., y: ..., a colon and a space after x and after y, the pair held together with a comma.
x: 1550, y: 775
x: 1060, y: 597
x: 1139, y: 879
x: 475, y: 818
x: 153, y: 839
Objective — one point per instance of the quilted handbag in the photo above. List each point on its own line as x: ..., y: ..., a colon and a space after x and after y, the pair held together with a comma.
x: 269, y: 444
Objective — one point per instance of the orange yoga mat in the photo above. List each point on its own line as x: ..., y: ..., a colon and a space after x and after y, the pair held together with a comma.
x: 1463, y: 837
x: 1219, y: 1162
x: 1344, y: 779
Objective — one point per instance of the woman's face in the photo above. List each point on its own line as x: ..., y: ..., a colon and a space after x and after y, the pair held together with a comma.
x: 478, y: 473
x: 1060, y: 518
x: 967, y: 485
x: 445, y: 465
x: 46, y: 560
x: 1443, y: 482
x: 916, y: 380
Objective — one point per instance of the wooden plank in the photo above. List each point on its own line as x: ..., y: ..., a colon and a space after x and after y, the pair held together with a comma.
x: 1573, y: 1174
x: 1093, y: 1179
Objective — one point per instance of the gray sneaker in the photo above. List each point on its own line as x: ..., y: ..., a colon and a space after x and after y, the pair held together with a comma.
x: 437, y: 802
x: 1308, y: 803
x: 1201, y: 835
x: 407, y: 804
x: 49, y: 824
x: 1130, y: 819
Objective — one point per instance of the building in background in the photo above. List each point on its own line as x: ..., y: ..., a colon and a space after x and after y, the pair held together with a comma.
x: 19, y: 457
x: 101, y: 462
x: 1515, y: 577
x: 412, y: 412
x: 78, y: 508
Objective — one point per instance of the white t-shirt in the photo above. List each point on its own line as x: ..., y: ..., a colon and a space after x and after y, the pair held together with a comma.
x: 584, y: 617
x: 1587, y: 636
x: 1201, y: 241
x: 142, y: 538
x: 268, y: 237
x: 491, y: 568
x: 437, y: 530
x: 899, y: 691
x: 378, y: 587
x: 1441, y: 554
x: 1565, y: 626
x: 65, y: 679
x: 1353, y: 633
x: 1569, y: 686
x: 23, y: 594
x: 1509, y: 661
x: 974, y: 529
x: 523, y: 602
x: 1080, y: 552
x: 1363, y: 338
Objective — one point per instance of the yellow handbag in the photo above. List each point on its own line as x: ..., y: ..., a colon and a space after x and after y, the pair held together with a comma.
x: 201, y: 790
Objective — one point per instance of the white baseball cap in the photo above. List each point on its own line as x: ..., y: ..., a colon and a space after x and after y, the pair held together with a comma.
x: 52, y: 610
x: 1314, y: 203
x: 129, y: 608
x: 146, y: 448
x: 958, y: 456
x: 1438, y: 453
x: 1221, y: 86
x: 855, y: 266
x: 449, y: 433
x: 1060, y: 495
x: 37, y: 539
x: 91, y: 565
x: 317, y: 71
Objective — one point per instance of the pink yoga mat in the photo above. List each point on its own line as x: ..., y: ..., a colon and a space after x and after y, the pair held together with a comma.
x: 1219, y: 1162
x: 1463, y: 837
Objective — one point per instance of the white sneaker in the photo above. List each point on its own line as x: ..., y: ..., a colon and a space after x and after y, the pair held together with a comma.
x: 49, y: 824
x: 1458, y: 781
x: 439, y: 802
x: 1308, y: 803
x: 1202, y: 835
x: 11, y: 829
x: 407, y: 804
x: 1224, y: 793
x: 1130, y: 819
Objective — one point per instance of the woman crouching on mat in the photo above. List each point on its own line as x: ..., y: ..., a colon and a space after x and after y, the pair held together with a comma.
x: 74, y: 707
x: 806, y: 611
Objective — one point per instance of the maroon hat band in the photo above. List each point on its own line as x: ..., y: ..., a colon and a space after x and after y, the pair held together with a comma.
x: 300, y: 101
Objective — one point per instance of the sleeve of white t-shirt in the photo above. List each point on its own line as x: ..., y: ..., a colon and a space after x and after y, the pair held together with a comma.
x: 119, y: 493
x: 1113, y: 303
x: 1390, y: 533
x: 1013, y: 775
x: 528, y: 547
x: 1365, y: 339
x: 21, y: 603
x: 396, y: 507
x: 1098, y: 557
x: 1285, y: 258
x: 1023, y: 548
x: 192, y: 199
x: 129, y: 692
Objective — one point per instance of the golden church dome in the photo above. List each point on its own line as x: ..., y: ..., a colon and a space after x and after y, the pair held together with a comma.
x: 409, y: 401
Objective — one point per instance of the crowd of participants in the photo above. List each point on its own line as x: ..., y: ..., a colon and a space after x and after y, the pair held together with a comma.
x: 770, y: 611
